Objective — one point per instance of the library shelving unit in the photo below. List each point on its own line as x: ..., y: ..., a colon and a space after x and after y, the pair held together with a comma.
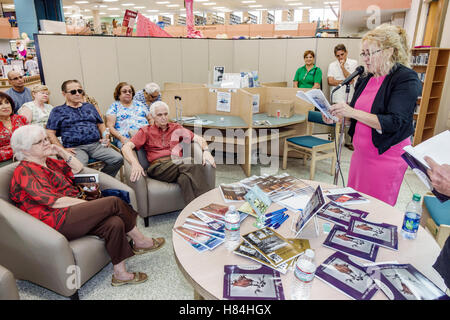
x: 431, y: 66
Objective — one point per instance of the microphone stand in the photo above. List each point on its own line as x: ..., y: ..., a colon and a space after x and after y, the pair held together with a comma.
x: 341, y: 138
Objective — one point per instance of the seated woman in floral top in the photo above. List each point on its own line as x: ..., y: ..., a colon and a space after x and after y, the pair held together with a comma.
x: 125, y: 116
x: 9, y: 122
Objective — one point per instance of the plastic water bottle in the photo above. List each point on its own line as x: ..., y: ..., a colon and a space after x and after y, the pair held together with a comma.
x: 105, y: 139
x: 412, y: 218
x: 232, y: 228
x: 303, y: 276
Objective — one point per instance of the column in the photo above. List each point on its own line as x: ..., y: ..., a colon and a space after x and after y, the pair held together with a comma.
x: 26, y: 17
x: 305, y: 15
x: 97, y: 24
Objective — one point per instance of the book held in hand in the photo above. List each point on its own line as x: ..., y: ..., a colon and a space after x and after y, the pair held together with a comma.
x: 338, y: 214
x: 338, y: 240
x: 382, y: 234
x: 252, y: 283
x: 344, y: 274
x: 318, y: 100
x: 404, y: 282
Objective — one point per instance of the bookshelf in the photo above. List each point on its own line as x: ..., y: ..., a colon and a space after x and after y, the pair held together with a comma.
x: 431, y: 66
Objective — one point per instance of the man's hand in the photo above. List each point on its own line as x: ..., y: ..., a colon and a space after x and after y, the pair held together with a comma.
x: 439, y: 176
x: 207, y: 157
x: 136, y: 172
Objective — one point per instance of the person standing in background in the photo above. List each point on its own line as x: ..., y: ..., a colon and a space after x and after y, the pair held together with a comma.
x: 337, y: 72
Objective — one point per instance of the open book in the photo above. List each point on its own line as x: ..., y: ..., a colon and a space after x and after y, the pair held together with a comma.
x: 436, y: 149
x: 318, y: 100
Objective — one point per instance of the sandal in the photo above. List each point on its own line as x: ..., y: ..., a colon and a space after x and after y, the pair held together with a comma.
x: 157, y: 243
x: 139, y: 277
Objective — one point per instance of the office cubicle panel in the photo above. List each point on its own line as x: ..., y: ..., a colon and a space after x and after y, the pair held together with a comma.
x: 134, y: 61
x: 294, y: 56
x: 166, y: 60
x: 60, y: 56
x: 194, y: 60
x: 246, y: 55
x: 193, y: 101
x: 221, y: 55
x: 272, y: 59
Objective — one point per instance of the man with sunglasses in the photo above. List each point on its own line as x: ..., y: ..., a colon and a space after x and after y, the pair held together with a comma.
x: 81, y: 129
x: 18, y: 92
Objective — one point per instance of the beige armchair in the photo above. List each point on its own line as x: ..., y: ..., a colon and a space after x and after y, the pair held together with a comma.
x: 8, y: 287
x: 156, y: 197
x: 35, y: 252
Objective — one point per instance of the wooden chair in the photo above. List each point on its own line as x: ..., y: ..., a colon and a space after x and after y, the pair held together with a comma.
x: 436, y: 218
x: 312, y: 147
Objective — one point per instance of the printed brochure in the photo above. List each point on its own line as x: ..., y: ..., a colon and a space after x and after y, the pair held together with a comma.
x: 252, y: 283
x: 344, y: 274
x: 200, y: 237
x: 345, y: 196
x: 338, y: 214
x: 312, y: 207
x: 232, y: 192
x: 381, y: 234
x: 318, y: 100
x: 258, y: 200
x: 197, y: 246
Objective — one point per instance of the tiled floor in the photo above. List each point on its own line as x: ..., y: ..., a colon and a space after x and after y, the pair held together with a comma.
x: 161, y: 266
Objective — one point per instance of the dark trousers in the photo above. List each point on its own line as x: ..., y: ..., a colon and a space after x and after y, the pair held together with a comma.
x: 108, y: 218
x: 190, y: 177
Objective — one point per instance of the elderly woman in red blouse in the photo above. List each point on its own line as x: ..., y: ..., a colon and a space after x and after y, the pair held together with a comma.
x: 9, y: 122
x: 43, y: 187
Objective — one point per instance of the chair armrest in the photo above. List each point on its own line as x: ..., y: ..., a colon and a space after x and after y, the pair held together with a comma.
x: 8, y: 287
x: 108, y: 182
x: 140, y: 189
x: 34, y: 251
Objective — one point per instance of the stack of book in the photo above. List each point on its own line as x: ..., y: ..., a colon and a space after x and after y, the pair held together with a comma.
x: 204, y: 229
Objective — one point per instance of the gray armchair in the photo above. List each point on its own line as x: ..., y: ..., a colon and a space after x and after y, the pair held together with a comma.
x: 8, y: 287
x: 35, y: 252
x: 156, y: 197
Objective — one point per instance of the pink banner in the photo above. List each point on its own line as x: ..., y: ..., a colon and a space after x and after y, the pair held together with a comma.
x: 191, y: 32
x: 146, y: 28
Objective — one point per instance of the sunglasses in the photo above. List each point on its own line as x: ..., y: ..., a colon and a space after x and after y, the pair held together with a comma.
x: 74, y: 92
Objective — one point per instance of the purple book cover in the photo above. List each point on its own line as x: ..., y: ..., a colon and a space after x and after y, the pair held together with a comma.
x: 338, y: 240
x: 340, y: 272
x: 347, y: 198
x: 252, y: 283
x: 404, y: 282
x: 382, y: 234
x: 339, y: 215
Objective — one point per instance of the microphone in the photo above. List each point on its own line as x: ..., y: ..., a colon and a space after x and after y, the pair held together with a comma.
x: 359, y: 70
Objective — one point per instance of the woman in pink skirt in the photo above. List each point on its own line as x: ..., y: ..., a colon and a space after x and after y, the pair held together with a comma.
x: 381, y: 114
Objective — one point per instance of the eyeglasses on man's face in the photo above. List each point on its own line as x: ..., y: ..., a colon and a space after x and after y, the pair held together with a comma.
x: 369, y: 54
x: 75, y: 91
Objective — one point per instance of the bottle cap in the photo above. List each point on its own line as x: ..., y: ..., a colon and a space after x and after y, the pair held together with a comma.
x: 232, y: 208
x: 416, y: 197
x: 309, y: 253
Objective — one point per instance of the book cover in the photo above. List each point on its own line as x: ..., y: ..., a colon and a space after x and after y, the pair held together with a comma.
x: 312, y: 207
x: 205, y: 229
x: 338, y: 240
x: 197, y: 246
x: 345, y: 196
x: 347, y: 276
x: 211, y: 223
x: 232, y: 192
x: 215, y: 209
x: 200, y: 237
x: 258, y: 200
x: 382, y: 234
x: 339, y: 215
x: 252, y: 283
x: 404, y: 282
x: 274, y: 247
x: 247, y: 209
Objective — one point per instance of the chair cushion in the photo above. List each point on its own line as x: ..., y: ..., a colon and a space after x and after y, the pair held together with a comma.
x: 439, y: 212
x: 308, y: 141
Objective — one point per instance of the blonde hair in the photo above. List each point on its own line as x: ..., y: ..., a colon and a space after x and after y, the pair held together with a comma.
x: 38, y: 88
x: 389, y: 36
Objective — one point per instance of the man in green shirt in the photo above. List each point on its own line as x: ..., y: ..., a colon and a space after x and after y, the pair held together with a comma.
x: 309, y: 75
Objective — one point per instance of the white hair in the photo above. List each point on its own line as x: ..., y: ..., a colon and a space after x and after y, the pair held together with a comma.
x: 23, y: 138
x: 156, y: 105
x: 151, y: 88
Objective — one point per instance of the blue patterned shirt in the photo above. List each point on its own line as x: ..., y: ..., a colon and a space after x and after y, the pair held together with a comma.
x: 139, y: 97
x: 128, y: 118
x: 76, y: 126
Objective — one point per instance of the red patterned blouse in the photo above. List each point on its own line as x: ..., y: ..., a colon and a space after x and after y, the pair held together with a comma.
x: 6, y: 152
x: 35, y: 188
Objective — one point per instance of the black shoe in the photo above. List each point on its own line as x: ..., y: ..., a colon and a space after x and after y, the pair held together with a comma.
x: 350, y: 147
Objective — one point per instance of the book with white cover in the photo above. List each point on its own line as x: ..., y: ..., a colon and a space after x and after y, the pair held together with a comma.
x: 318, y: 100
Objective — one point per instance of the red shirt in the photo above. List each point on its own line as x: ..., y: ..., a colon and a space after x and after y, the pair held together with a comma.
x: 6, y: 152
x: 35, y: 188
x: 158, y: 143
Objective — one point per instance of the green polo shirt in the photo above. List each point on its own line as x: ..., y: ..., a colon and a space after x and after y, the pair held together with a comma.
x: 307, y: 79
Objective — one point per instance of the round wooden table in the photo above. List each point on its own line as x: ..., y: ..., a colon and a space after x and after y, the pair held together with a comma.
x: 205, y: 270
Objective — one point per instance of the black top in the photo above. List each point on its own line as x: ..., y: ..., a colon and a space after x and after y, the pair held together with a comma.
x: 394, y: 106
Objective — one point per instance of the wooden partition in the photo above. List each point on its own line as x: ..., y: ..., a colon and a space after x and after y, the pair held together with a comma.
x: 193, y: 100
x: 182, y: 85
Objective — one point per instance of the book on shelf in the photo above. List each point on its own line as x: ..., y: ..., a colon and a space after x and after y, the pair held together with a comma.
x: 252, y: 283
x: 274, y: 247
x: 344, y: 274
x: 382, y: 234
x: 338, y: 240
x: 312, y: 207
x: 318, y: 100
x: 232, y: 192
x: 200, y: 237
x: 197, y: 246
x: 258, y: 200
x: 433, y: 147
x: 345, y: 196
x: 338, y: 214
x: 404, y: 282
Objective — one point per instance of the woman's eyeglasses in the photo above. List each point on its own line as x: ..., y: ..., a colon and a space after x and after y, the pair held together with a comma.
x: 41, y: 141
x: 126, y: 91
x: 74, y: 92
x: 369, y: 54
